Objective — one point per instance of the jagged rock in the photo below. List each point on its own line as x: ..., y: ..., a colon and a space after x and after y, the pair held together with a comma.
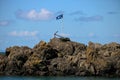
x: 2, y: 64
x: 66, y: 48
x: 60, y: 66
x: 94, y: 45
x: 35, y: 66
x: 45, y: 51
x: 16, y: 57
x: 62, y: 57
x: 16, y: 51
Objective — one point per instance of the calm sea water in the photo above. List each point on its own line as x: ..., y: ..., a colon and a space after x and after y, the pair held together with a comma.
x: 54, y: 78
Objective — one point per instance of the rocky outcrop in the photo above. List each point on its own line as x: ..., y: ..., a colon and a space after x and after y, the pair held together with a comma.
x: 62, y: 57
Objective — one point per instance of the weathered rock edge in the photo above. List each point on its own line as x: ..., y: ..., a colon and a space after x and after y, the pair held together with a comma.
x: 60, y: 58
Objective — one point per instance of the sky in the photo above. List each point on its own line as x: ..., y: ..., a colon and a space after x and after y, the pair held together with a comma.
x: 27, y: 22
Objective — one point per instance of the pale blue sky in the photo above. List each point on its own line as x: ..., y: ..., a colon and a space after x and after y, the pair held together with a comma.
x: 26, y: 22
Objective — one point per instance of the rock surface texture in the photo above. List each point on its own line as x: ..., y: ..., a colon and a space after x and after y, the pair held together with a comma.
x: 60, y: 58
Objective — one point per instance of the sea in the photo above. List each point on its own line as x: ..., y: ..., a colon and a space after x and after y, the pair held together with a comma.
x: 54, y: 78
